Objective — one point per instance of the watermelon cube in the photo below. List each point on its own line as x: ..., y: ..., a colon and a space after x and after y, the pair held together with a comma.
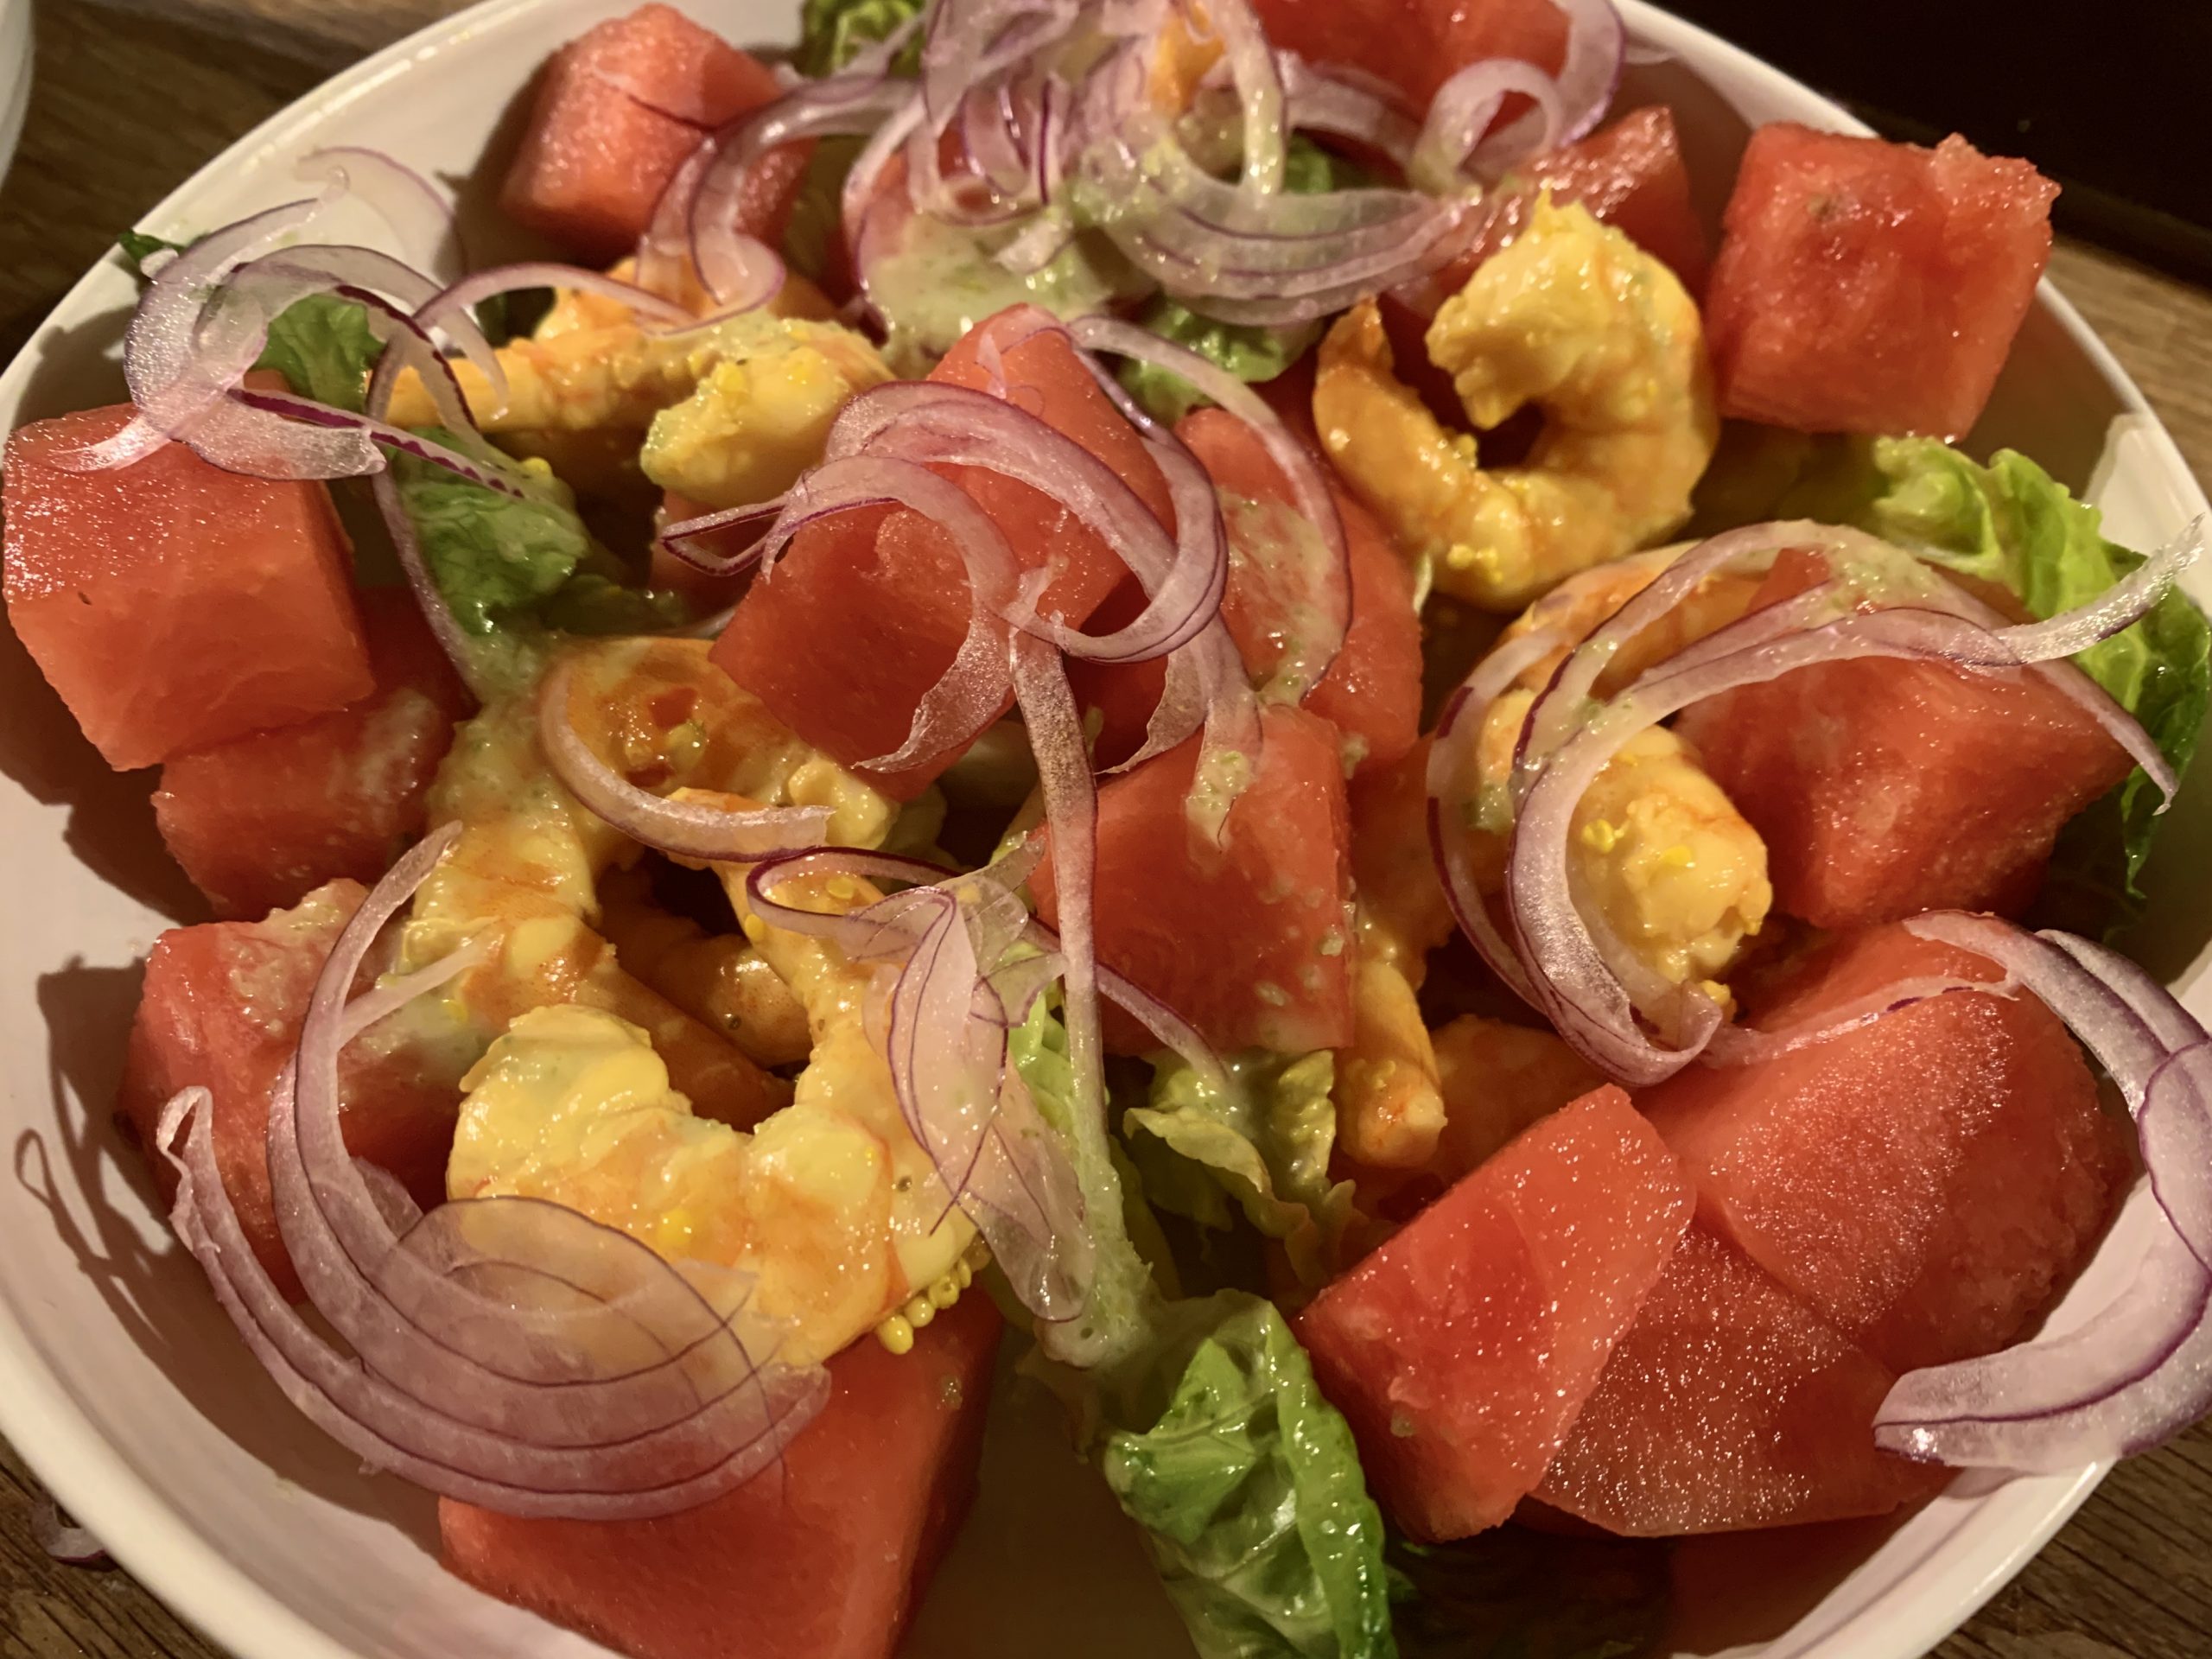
x: 1248, y: 941
x: 1729, y: 1404
x: 823, y: 1555
x: 260, y: 822
x: 1371, y: 693
x: 864, y: 611
x: 1927, y: 1183
x: 617, y: 111
x: 222, y: 1008
x: 1461, y: 1350
x: 1864, y: 286
x: 1884, y: 788
x: 172, y: 604
x: 1416, y: 45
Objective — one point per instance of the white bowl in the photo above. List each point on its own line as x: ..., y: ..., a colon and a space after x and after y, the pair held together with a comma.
x: 127, y: 1390
x: 15, y: 75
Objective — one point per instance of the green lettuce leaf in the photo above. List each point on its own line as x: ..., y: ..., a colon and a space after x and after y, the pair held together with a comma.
x: 321, y: 344
x: 1264, y: 1140
x: 1511, y: 1593
x: 491, y: 553
x: 2010, y: 522
x: 1118, y: 1317
x: 835, y: 32
x: 137, y: 248
x: 1248, y: 351
x: 1248, y: 1488
x: 1207, y: 1423
x: 323, y: 347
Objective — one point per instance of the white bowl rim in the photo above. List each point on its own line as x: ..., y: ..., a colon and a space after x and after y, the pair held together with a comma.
x: 160, y: 1546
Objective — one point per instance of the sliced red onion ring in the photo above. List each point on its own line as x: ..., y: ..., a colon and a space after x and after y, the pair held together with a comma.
x: 1738, y: 1046
x: 1451, y: 770
x: 2141, y: 1370
x: 1327, y: 98
x: 1597, y: 50
x: 1317, y: 648
x: 506, y: 1353
x: 1466, y: 106
x: 1579, y: 975
x: 945, y: 1039
x: 61, y: 1537
x: 681, y: 829
x: 168, y: 382
x: 697, y: 215
x: 1259, y: 89
x: 972, y: 691
x: 418, y: 212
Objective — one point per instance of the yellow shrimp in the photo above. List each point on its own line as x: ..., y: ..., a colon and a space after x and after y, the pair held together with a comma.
x: 829, y: 1207
x: 1572, y: 318
x: 522, y: 879
x: 1496, y: 1079
x: 1390, y: 1110
x: 725, y: 414
x: 718, y: 979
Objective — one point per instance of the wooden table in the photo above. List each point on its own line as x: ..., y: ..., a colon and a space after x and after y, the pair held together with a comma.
x: 131, y: 100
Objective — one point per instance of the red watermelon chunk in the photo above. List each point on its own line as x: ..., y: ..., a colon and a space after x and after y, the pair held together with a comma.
x: 1864, y: 286
x: 260, y: 822
x: 1884, y: 788
x: 1730, y: 1404
x: 821, y: 1556
x: 172, y: 604
x: 1927, y: 1183
x: 864, y: 611
x: 1371, y: 693
x: 1629, y: 175
x: 1247, y: 942
x: 1461, y: 1350
x: 617, y: 111
x: 222, y: 1008
x: 1416, y: 45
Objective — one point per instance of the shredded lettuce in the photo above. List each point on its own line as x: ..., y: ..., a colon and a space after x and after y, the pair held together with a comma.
x: 323, y: 347
x: 1206, y: 1421
x: 835, y: 32
x: 1248, y: 1488
x: 1511, y: 1593
x: 1248, y: 351
x: 2012, y: 523
x: 492, y: 554
x: 1265, y: 1141
x: 1116, y: 1319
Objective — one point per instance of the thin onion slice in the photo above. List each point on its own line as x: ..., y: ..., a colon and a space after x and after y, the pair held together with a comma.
x: 1317, y: 645
x: 506, y: 1353
x: 2139, y: 1369
x: 417, y: 212
x: 61, y: 1538
x: 682, y: 829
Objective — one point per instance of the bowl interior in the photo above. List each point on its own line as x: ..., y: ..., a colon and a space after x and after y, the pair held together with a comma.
x: 126, y: 1387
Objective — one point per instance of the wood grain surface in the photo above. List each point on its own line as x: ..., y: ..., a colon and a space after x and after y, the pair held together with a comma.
x: 131, y: 98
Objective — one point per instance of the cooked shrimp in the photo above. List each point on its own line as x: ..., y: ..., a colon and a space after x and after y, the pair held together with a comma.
x: 523, y: 876
x: 1655, y: 848
x: 717, y: 978
x: 827, y: 1209
x: 1572, y: 318
x: 1496, y: 1079
x: 1579, y: 605
x: 1389, y: 1111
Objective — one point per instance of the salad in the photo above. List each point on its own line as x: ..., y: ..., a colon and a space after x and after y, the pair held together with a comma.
x: 1181, y: 690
